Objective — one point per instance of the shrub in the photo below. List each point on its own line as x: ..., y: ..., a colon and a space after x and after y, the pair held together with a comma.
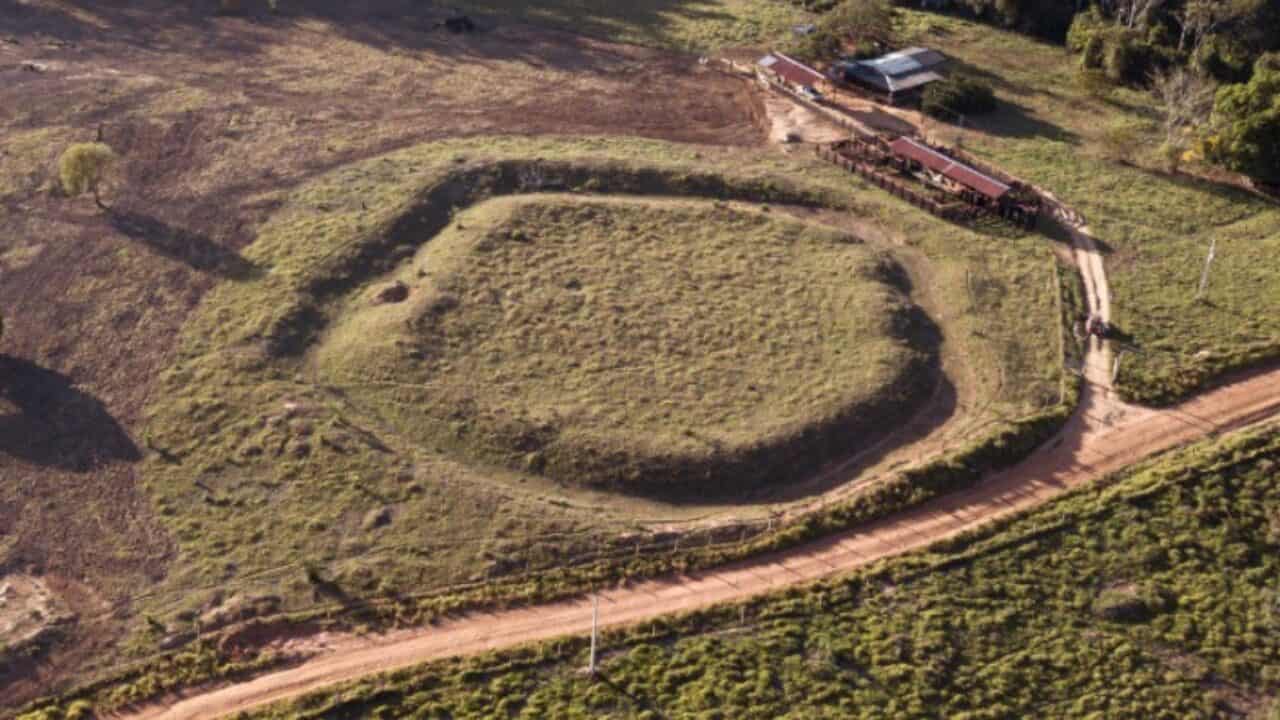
x: 80, y: 710
x: 1171, y: 155
x: 1246, y: 127
x: 1085, y: 28
x: 1120, y: 140
x: 869, y: 22
x: 1132, y: 606
x: 1121, y: 61
x: 82, y: 167
x: 1092, y: 55
x: 1121, y: 606
x: 958, y: 95
x: 1094, y: 83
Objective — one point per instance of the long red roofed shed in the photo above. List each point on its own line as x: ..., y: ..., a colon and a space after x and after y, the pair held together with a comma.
x: 793, y: 71
x: 949, y: 167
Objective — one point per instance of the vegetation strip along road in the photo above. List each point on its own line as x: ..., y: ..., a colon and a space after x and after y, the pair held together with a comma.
x: 1104, y: 436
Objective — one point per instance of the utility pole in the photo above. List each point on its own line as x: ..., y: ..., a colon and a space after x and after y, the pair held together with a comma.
x: 595, y: 631
x: 1204, y: 276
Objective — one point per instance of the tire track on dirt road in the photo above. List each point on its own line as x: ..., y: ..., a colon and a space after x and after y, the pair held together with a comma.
x: 1103, y: 436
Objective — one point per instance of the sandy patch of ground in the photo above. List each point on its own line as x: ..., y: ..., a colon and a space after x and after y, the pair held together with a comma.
x: 27, y: 607
x: 789, y: 122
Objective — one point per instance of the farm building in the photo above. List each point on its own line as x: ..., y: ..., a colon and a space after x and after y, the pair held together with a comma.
x: 951, y: 173
x: 790, y: 73
x: 899, y: 76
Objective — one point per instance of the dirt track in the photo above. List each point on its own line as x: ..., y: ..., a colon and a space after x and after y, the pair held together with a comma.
x: 1105, y: 435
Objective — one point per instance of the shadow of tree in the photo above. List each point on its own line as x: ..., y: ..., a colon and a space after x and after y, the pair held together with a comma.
x: 641, y: 703
x: 1011, y: 118
x: 197, y: 251
x: 49, y: 422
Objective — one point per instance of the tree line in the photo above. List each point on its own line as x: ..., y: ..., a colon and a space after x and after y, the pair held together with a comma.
x: 1212, y: 65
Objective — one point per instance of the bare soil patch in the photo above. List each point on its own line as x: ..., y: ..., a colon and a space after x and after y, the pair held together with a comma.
x: 213, y: 118
x: 27, y: 608
x: 790, y: 121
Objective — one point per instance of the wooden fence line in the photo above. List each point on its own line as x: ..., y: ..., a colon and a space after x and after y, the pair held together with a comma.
x: 897, y: 189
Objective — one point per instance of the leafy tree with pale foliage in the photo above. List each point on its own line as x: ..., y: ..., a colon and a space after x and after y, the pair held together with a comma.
x: 82, y: 167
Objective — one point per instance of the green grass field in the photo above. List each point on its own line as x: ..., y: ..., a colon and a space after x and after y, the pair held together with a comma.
x: 688, y: 25
x: 1157, y: 226
x: 656, y: 345
x: 1152, y: 595
x: 287, y: 492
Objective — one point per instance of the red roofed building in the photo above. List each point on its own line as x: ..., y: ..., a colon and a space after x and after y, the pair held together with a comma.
x: 950, y: 168
x: 791, y: 72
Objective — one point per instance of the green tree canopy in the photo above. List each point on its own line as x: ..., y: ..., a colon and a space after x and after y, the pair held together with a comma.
x: 82, y: 167
x: 1245, y: 132
x: 869, y: 23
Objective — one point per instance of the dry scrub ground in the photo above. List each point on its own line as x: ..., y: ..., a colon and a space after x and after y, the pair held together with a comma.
x: 214, y: 118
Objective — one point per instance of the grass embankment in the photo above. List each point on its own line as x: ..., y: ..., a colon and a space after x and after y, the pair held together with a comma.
x: 672, y: 347
x: 1153, y: 594
x: 691, y: 27
x: 260, y: 472
x: 286, y: 499
x: 1097, y: 153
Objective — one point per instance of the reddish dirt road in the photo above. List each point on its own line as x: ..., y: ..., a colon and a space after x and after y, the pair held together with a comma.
x: 1094, y: 444
x: 1104, y: 436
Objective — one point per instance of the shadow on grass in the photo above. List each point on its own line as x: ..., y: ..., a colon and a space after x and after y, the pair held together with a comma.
x: 1011, y: 119
x: 849, y: 446
x: 1224, y: 190
x: 49, y: 422
x: 197, y: 251
x: 642, y: 704
x: 325, y: 588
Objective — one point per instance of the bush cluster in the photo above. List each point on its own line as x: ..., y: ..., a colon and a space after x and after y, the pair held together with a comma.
x: 1124, y: 56
x: 865, y: 23
x: 958, y: 95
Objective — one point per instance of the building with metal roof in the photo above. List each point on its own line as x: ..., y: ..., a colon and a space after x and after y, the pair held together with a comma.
x: 791, y: 71
x: 898, y: 75
x: 949, y: 168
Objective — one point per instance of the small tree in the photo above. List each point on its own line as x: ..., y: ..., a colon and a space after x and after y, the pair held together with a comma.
x: 1187, y: 99
x: 956, y: 96
x: 82, y: 167
x: 869, y: 23
x: 1120, y: 141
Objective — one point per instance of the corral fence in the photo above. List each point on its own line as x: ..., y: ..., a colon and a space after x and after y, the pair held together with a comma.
x: 872, y: 158
x: 951, y: 212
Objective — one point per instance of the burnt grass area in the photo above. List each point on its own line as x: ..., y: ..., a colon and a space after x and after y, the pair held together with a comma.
x: 213, y: 118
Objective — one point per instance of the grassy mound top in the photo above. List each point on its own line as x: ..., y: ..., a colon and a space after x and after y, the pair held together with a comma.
x: 267, y: 477
x: 620, y: 342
